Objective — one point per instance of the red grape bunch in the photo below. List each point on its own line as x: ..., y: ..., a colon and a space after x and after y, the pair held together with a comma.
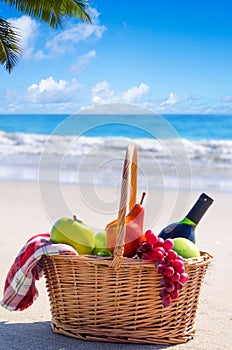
x: 168, y: 264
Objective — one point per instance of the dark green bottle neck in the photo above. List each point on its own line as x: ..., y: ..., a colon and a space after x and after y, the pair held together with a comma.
x: 199, y: 209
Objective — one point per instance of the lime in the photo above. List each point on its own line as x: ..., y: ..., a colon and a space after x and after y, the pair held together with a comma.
x: 185, y: 248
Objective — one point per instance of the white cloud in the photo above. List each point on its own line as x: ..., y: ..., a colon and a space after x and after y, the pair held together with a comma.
x: 227, y: 99
x: 186, y: 103
x: 82, y: 62
x: 51, y: 91
x: 94, y: 14
x: 101, y: 86
x: 172, y: 100
x: 70, y: 96
x: 64, y: 42
x: 28, y: 29
x: 68, y: 38
x: 135, y: 93
x: 40, y: 55
x: 102, y: 93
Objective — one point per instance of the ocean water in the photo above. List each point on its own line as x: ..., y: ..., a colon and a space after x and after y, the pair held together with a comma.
x: 175, y: 151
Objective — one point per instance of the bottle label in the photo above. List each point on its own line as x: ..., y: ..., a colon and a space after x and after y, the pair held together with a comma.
x: 188, y: 222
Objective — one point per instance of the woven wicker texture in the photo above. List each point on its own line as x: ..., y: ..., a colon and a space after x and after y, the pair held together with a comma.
x: 117, y: 299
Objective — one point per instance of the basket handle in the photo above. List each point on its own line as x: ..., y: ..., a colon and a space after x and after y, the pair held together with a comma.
x: 128, y: 189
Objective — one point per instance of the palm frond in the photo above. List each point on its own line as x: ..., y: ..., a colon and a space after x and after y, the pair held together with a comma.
x: 10, y: 51
x: 52, y: 11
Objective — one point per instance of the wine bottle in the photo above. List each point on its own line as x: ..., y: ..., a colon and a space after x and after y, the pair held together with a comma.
x: 186, y: 227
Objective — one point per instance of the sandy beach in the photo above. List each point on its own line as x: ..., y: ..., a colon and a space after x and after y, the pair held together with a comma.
x: 26, y: 210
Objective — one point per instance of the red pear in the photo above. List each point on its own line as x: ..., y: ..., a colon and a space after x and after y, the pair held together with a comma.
x: 134, y: 235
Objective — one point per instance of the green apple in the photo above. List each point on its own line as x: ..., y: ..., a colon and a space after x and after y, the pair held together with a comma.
x: 185, y: 248
x: 100, y: 245
x: 75, y: 233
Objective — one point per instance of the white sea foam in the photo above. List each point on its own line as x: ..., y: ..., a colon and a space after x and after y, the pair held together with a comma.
x: 36, y: 144
x: 203, y: 160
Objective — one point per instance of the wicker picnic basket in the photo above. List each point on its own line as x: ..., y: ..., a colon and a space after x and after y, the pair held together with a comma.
x: 116, y: 299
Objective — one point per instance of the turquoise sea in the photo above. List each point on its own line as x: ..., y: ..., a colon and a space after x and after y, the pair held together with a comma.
x: 174, y: 150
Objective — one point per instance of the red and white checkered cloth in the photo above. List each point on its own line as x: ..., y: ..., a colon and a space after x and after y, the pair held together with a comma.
x: 20, y: 290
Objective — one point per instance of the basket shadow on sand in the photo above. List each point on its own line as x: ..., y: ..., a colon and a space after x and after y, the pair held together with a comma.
x: 39, y: 336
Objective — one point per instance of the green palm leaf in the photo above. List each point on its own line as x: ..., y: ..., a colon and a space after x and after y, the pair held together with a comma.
x: 52, y: 11
x: 10, y: 51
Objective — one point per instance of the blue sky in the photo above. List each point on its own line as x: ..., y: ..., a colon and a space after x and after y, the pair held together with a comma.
x: 168, y: 56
